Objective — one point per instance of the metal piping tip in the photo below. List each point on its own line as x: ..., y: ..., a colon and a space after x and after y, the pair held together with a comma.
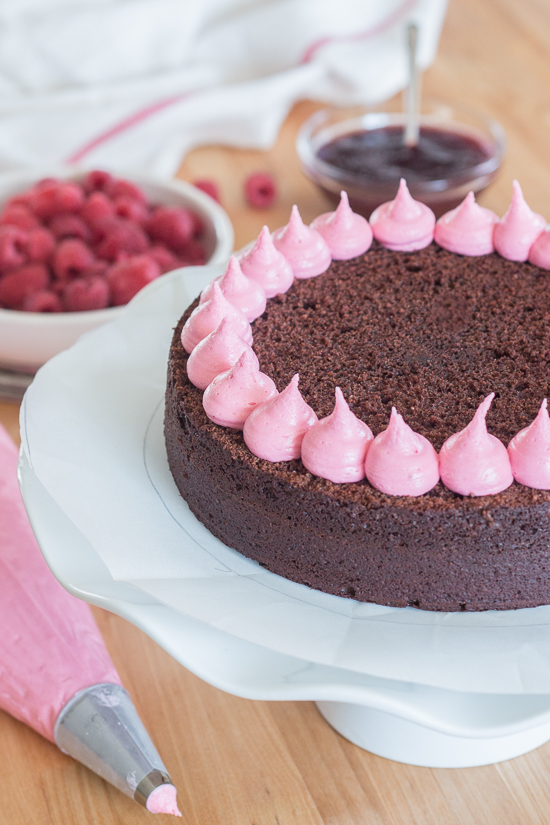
x: 150, y: 783
x: 100, y: 728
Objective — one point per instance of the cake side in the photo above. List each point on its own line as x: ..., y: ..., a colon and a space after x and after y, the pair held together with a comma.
x: 383, y: 551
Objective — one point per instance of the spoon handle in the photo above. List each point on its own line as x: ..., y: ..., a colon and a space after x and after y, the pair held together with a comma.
x: 412, y: 92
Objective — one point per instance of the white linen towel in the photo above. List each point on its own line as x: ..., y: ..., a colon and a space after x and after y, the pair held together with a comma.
x: 135, y: 84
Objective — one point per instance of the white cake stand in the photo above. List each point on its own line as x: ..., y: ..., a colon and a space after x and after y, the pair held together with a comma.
x: 400, y: 720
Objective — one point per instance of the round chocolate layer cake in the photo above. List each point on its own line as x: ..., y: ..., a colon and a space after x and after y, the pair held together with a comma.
x: 431, y: 333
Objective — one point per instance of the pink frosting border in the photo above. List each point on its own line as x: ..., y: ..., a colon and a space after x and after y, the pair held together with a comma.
x: 470, y: 199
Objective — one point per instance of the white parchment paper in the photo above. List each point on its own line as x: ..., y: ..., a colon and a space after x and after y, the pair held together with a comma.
x: 92, y: 431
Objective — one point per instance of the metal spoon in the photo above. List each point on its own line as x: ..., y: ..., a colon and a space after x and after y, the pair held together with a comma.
x: 412, y: 92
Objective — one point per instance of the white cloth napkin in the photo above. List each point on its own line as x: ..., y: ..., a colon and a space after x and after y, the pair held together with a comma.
x: 137, y: 83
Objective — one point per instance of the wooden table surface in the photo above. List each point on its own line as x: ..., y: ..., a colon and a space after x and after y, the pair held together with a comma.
x: 238, y: 762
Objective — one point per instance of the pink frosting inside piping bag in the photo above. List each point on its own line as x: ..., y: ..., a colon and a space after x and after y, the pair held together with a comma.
x: 403, y: 224
x: 232, y: 395
x: 347, y: 234
x: 519, y: 228
x: 246, y: 294
x: 162, y: 800
x: 275, y: 429
x: 265, y: 264
x: 529, y: 452
x: 216, y: 353
x: 539, y: 254
x: 468, y: 229
x: 473, y: 462
x: 303, y: 247
x: 50, y: 645
x: 335, y: 447
x: 206, y: 317
x: 401, y: 462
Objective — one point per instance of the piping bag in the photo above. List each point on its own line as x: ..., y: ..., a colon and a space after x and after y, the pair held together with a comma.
x: 55, y: 672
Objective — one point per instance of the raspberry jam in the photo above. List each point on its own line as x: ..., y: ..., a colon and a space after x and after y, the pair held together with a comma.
x: 378, y: 158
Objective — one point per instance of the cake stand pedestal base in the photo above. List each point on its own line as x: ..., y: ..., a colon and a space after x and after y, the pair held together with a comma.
x: 405, y: 741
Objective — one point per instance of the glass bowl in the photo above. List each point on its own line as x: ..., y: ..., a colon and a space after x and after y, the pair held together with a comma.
x: 459, y: 150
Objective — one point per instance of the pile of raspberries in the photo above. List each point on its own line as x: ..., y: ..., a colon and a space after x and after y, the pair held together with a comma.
x: 71, y: 247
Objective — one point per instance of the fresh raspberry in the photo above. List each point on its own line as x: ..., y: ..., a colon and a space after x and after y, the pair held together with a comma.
x: 209, y: 187
x: 128, y: 277
x: 52, y: 197
x: 260, y: 190
x: 101, y: 228
x: 17, y: 214
x: 164, y: 258
x: 57, y: 287
x: 19, y: 284
x: 97, y: 208
x: 121, y: 256
x: 126, y: 207
x: 193, y: 254
x: 97, y: 181
x: 13, y: 247
x: 125, y: 188
x: 42, y: 301
x: 72, y: 257
x: 171, y: 225
x: 22, y: 198
x: 69, y: 225
x: 42, y: 183
x: 198, y: 225
x: 121, y: 235
x: 40, y: 245
x: 97, y: 268
x: 84, y: 294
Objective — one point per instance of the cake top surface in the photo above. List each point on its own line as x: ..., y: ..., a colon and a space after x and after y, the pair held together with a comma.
x: 432, y: 336
x: 429, y: 332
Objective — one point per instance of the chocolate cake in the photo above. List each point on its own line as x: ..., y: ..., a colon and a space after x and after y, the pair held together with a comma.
x: 432, y: 333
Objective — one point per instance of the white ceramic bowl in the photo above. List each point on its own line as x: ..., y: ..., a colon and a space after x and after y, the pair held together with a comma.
x: 29, y: 339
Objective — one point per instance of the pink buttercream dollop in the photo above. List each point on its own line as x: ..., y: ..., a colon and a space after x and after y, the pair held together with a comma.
x: 265, y: 264
x: 401, y: 462
x: 233, y: 394
x: 518, y: 229
x: 403, y: 224
x: 216, y: 353
x: 539, y: 254
x: 205, y: 318
x: 335, y: 447
x: 529, y: 452
x: 468, y: 229
x: 162, y: 800
x: 246, y: 294
x: 347, y: 234
x: 473, y: 462
x: 275, y: 429
x: 303, y: 247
